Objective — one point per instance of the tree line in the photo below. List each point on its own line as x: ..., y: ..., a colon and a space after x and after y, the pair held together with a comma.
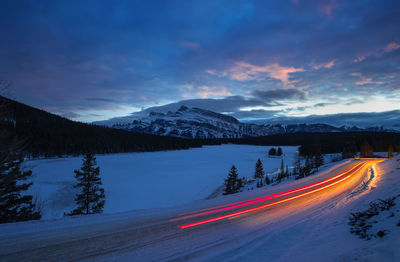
x: 328, y: 143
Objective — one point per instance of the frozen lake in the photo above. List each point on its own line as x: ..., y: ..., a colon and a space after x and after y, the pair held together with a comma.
x: 151, y: 179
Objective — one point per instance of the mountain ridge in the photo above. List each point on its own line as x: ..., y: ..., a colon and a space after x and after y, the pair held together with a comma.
x: 201, y: 123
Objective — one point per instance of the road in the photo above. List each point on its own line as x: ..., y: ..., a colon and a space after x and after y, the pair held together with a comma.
x: 202, y: 231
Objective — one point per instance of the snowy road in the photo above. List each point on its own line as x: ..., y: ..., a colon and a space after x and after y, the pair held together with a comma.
x: 212, y: 230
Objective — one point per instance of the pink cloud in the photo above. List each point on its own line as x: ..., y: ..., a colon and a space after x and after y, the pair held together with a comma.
x: 243, y: 71
x: 391, y: 47
x: 378, y: 52
x: 209, y: 91
x: 365, y: 80
x: 329, y: 64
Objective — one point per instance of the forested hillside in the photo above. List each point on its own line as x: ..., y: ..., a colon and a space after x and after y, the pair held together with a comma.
x: 44, y: 134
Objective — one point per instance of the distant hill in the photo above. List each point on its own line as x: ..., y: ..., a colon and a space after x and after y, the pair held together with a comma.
x: 46, y: 134
x: 200, y: 123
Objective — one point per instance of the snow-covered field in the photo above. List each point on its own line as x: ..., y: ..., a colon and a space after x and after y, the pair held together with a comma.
x: 150, y: 180
x: 319, y: 233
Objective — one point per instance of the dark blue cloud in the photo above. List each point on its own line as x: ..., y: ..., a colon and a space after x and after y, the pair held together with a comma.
x: 126, y: 55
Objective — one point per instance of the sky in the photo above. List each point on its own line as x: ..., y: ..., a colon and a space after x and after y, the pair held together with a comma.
x: 95, y: 60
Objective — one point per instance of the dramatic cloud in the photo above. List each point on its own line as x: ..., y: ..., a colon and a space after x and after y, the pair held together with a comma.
x: 231, y: 105
x: 94, y: 60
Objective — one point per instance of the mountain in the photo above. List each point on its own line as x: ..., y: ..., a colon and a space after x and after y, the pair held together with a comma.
x: 40, y: 133
x: 200, y: 123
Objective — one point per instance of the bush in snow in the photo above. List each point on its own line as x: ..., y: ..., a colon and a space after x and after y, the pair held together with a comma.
x: 360, y: 221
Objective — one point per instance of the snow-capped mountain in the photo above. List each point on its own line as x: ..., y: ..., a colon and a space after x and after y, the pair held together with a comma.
x: 199, y: 123
x: 186, y: 122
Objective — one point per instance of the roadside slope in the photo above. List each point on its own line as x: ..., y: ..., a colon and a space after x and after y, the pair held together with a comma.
x: 324, y: 235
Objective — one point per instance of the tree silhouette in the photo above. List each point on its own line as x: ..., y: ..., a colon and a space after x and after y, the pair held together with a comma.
x: 259, y: 172
x: 232, y: 183
x: 91, y: 199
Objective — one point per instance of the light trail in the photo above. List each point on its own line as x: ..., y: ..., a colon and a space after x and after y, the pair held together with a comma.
x: 260, y: 199
x: 352, y: 171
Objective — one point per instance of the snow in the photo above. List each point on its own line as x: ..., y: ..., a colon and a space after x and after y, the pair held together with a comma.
x: 172, y: 178
x: 324, y: 234
x: 152, y: 179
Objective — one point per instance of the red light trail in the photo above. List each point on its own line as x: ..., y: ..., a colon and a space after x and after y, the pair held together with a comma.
x: 326, y: 184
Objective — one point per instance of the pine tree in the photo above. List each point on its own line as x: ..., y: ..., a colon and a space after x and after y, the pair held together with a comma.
x: 287, y: 171
x: 240, y: 183
x: 319, y: 160
x: 307, y: 167
x: 390, y: 151
x: 281, y: 173
x: 267, y: 181
x: 91, y: 198
x: 297, y: 165
x: 366, y: 149
x: 232, y: 183
x: 272, y: 152
x: 259, y: 172
x: 14, y: 206
x: 261, y: 183
x: 258, y: 184
x: 279, y: 152
x: 349, y: 150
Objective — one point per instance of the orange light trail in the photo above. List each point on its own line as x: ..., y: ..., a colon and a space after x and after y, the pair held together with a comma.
x: 260, y: 199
